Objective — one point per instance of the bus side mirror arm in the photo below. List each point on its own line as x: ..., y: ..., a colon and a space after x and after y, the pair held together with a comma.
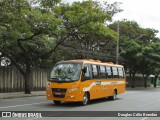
x: 84, y: 70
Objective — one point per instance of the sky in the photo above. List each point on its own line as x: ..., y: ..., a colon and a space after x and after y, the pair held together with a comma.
x: 144, y: 12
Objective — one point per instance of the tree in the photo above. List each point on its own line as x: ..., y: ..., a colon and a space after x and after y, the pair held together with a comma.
x: 30, y: 34
x: 133, y: 50
x: 27, y: 35
x: 147, y: 61
x: 85, y: 22
x: 151, y: 53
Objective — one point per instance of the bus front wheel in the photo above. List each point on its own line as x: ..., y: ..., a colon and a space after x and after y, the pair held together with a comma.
x: 85, y: 99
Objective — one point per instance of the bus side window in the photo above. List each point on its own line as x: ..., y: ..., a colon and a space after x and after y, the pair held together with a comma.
x: 109, y: 72
x: 87, y: 74
x: 121, y: 73
x: 102, y: 72
x: 115, y: 72
x: 94, y: 71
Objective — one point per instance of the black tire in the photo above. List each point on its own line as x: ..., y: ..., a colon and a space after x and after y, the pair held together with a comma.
x: 86, y: 99
x: 57, y: 102
x: 114, y: 97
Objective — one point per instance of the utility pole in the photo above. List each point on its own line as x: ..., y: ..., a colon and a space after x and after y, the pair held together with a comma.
x: 117, y: 47
x: 112, y: 9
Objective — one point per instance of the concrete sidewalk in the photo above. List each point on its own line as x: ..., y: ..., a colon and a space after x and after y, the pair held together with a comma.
x: 21, y: 94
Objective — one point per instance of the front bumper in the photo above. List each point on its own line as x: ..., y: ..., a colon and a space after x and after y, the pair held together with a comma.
x: 74, y: 96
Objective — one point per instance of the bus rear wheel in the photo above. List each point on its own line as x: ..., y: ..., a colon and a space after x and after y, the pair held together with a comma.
x: 114, y: 97
x: 85, y: 99
x: 57, y: 102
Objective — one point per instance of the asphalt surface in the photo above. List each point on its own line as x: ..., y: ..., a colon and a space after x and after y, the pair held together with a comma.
x: 136, y: 100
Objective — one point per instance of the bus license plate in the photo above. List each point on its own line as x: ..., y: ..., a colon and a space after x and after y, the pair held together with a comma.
x: 58, y: 93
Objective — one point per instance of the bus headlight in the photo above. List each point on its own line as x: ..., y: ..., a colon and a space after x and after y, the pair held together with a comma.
x: 73, y: 89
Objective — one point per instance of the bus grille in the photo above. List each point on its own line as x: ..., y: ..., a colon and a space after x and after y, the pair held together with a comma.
x: 59, y: 92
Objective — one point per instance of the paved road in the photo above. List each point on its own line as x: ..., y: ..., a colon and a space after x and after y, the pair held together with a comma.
x: 132, y: 100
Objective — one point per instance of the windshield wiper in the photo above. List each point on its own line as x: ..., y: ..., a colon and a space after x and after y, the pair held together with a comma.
x: 61, y: 80
x: 53, y: 79
x: 56, y: 79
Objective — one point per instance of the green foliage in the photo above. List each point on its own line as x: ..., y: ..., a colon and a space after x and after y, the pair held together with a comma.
x: 37, y: 33
x: 29, y: 29
x: 85, y: 24
x: 140, y: 54
x: 28, y: 35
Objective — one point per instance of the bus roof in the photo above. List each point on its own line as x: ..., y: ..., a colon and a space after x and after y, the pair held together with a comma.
x: 93, y: 62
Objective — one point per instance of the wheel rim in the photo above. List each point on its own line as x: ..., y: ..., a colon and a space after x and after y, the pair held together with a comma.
x: 85, y: 99
x: 115, y: 95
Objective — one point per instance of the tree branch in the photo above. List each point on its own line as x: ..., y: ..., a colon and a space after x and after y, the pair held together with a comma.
x: 25, y: 39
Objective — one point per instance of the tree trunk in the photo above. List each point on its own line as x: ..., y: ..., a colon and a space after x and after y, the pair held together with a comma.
x: 0, y: 59
x: 130, y: 78
x: 145, y: 81
x: 27, y: 84
x: 155, y: 81
x: 27, y: 78
x: 133, y: 79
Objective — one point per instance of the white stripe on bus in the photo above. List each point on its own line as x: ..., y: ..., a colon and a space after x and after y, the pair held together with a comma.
x: 103, y: 83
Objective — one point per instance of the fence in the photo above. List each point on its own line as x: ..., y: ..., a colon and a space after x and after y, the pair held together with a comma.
x: 139, y: 81
x: 11, y: 79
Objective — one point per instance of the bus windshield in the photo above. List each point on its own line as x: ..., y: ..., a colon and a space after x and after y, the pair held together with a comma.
x: 66, y: 72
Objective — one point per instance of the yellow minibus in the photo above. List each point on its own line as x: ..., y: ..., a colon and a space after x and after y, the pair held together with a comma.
x: 85, y: 80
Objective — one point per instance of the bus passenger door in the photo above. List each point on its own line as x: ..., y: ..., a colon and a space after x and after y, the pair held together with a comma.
x: 86, y: 83
x: 96, y: 82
